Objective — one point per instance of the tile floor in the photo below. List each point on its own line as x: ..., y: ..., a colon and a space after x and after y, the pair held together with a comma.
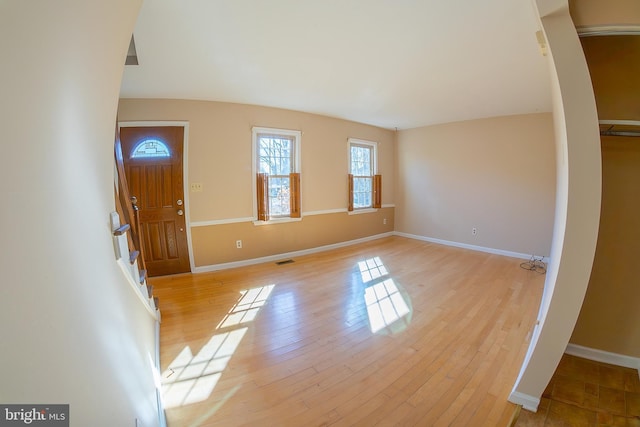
x: 587, y: 393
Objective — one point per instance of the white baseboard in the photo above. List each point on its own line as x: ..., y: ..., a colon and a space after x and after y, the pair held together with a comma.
x: 277, y: 257
x: 472, y: 247
x: 603, y: 356
x: 529, y: 403
x: 270, y: 258
x: 162, y: 420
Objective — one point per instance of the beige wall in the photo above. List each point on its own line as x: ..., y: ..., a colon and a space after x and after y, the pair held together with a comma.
x: 614, y: 65
x: 216, y: 244
x: 610, y: 318
x: 73, y: 329
x: 497, y: 175
x: 220, y: 157
x: 589, y: 13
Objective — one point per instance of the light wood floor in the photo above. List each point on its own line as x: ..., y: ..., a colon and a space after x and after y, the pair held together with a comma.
x: 292, y: 344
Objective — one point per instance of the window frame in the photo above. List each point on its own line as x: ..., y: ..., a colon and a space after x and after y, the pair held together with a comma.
x: 374, y: 170
x: 255, y: 168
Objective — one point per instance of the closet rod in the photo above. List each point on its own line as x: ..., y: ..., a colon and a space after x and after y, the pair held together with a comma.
x: 619, y: 133
x: 620, y: 122
x: 620, y: 128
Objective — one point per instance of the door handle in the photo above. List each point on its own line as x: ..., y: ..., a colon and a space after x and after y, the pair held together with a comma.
x: 179, y: 202
x: 180, y: 212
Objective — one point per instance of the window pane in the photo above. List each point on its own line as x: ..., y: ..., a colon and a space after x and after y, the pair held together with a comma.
x: 279, y: 196
x: 362, y: 192
x: 361, y: 160
x: 275, y: 154
x: 150, y: 148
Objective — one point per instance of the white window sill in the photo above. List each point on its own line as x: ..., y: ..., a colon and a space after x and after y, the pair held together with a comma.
x: 362, y: 211
x: 277, y: 221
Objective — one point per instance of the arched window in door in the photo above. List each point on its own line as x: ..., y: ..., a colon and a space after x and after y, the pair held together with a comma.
x: 150, y: 148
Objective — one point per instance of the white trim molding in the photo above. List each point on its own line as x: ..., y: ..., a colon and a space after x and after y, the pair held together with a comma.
x: 221, y: 221
x: 325, y: 212
x: 208, y: 223
x: 604, y: 356
x: 472, y: 247
x: 529, y: 403
x: 273, y: 221
x: 362, y: 211
x: 277, y: 257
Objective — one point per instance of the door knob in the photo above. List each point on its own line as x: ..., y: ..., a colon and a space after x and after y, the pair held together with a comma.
x: 180, y: 212
x: 179, y: 202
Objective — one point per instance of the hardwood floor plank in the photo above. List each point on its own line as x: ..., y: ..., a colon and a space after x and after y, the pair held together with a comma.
x: 299, y: 348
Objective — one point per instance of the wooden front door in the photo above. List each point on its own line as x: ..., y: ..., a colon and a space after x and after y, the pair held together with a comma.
x: 153, y: 163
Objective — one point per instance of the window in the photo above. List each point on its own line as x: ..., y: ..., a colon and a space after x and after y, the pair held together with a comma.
x: 364, y: 185
x: 150, y: 148
x: 277, y: 169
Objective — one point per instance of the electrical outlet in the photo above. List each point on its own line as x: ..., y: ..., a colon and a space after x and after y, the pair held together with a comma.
x: 196, y: 187
x: 239, y: 244
x: 384, y: 221
x: 474, y: 231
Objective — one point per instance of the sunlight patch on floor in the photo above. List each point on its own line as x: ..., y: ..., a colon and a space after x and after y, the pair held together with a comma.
x: 246, y: 309
x: 192, y: 378
x: 385, y: 302
x: 385, y: 305
x: 372, y: 269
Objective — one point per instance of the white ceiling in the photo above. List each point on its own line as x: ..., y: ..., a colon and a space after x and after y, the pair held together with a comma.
x: 402, y: 63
